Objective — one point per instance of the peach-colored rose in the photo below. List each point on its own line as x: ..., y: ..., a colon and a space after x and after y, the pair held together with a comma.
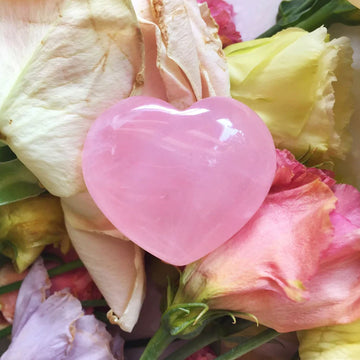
x: 296, y: 264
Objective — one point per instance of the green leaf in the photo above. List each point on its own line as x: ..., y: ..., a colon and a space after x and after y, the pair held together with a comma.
x: 17, y: 182
x: 294, y: 11
x: 311, y: 14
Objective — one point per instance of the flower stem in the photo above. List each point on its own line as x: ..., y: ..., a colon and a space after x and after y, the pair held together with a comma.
x: 249, y: 345
x: 158, y: 343
x: 52, y: 272
x: 61, y: 269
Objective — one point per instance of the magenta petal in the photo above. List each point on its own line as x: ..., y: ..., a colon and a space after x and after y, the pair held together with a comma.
x: 31, y: 294
x: 223, y: 13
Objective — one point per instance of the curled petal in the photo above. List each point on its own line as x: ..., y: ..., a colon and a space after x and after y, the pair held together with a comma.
x: 188, y: 63
x: 89, y: 340
x: 114, y: 263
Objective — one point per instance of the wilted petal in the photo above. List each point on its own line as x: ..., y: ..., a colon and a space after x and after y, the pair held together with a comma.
x: 188, y: 63
x: 116, y: 266
x: 213, y: 66
x: 27, y: 226
x: 91, y: 341
x: 114, y: 263
x: 53, y: 327
x: 66, y: 61
x: 48, y: 331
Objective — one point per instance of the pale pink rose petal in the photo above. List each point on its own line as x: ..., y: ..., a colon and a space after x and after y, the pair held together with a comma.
x: 66, y: 62
x: 213, y: 67
x: 122, y: 280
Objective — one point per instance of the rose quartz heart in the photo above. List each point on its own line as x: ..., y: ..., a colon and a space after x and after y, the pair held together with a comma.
x: 179, y: 183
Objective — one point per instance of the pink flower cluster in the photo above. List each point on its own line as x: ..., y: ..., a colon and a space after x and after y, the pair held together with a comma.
x: 223, y: 14
x: 205, y: 353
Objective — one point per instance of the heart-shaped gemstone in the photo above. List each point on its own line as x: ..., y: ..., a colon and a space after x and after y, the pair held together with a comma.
x: 179, y: 183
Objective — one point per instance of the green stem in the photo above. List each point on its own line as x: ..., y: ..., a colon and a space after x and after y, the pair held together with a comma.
x: 249, y: 345
x: 10, y: 287
x: 52, y: 272
x: 322, y: 16
x: 193, y: 346
x: 158, y: 343
x: 61, y: 269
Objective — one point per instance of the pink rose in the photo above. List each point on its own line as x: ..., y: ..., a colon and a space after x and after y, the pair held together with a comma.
x: 296, y: 263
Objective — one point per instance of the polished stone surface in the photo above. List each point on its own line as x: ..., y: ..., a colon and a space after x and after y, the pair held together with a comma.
x: 178, y: 183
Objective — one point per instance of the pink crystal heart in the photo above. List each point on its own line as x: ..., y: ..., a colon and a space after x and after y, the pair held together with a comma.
x: 179, y: 183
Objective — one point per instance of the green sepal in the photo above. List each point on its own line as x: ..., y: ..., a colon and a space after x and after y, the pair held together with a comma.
x: 186, y: 321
